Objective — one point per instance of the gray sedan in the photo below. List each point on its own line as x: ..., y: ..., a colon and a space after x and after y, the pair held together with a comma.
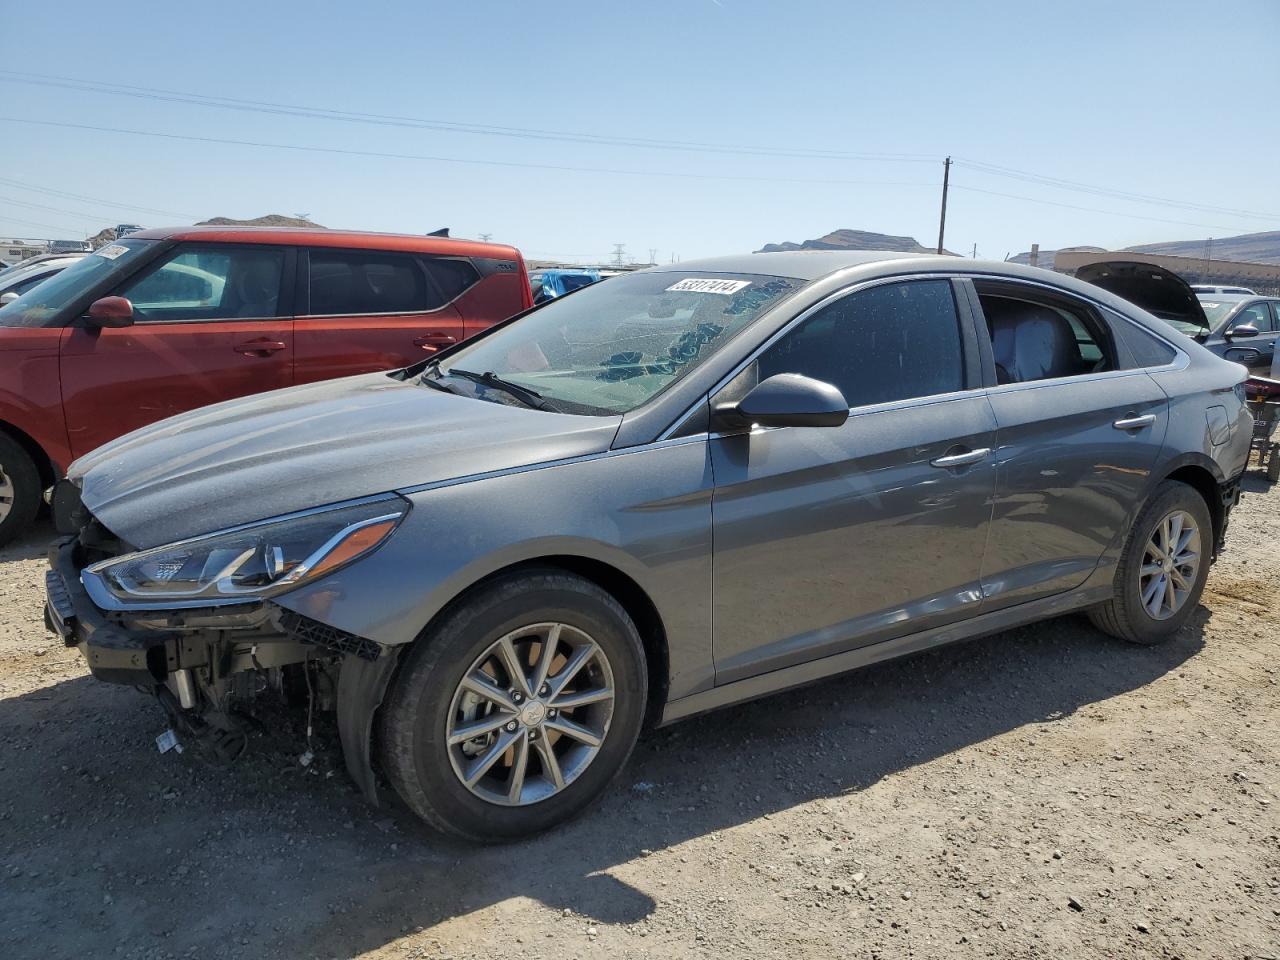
x: 684, y: 488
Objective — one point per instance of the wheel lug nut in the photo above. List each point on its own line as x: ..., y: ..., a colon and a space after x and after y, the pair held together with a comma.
x: 551, y: 712
x: 546, y: 688
x: 511, y: 727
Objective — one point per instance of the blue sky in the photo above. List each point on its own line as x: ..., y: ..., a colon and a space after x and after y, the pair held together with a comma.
x: 1171, y: 100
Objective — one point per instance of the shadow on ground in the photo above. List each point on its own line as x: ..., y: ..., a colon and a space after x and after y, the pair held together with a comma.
x: 107, y: 842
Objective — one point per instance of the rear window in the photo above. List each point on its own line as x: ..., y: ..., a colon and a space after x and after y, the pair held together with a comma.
x: 348, y: 283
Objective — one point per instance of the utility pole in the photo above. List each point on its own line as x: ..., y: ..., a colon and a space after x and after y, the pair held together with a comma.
x: 618, y: 249
x: 942, y: 220
x: 975, y: 251
x: 1204, y: 270
x: 653, y: 256
x: 486, y: 237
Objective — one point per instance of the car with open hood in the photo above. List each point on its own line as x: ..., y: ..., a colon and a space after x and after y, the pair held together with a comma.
x: 687, y: 487
x: 1241, y: 327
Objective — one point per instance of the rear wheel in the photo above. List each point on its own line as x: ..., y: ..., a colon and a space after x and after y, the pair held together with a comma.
x: 1162, y: 570
x: 19, y: 489
x: 518, y: 709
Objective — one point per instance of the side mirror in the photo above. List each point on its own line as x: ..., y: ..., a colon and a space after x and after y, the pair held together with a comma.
x: 8, y: 297
x: 1243, y: 331
x: 110, y: 312
x: 786, y: 400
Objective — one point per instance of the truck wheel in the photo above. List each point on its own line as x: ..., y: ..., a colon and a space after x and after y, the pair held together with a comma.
x: 1162, y: 569
x: 19, y: 489
x: 518, y: 709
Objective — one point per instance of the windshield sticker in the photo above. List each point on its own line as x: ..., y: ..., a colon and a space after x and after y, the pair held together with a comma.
x: 111, y: 251
x: 699, y: 285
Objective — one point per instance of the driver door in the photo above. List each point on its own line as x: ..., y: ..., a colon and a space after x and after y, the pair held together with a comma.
x: 211, y: 322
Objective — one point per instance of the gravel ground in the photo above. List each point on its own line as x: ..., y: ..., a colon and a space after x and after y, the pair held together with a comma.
x: 1046, y: 793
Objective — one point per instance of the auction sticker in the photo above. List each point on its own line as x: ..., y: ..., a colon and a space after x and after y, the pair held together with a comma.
x: 699, y: 285
x: 111, y: 251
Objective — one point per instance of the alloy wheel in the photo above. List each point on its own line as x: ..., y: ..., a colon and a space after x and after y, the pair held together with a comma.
x: 1170, y: 565
x: 530, y: 714
x: 6, y: 495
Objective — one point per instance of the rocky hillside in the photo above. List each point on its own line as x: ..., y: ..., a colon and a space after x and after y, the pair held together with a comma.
x: 1247, y: 247
x: 270, y: 220
x: 852, y: 240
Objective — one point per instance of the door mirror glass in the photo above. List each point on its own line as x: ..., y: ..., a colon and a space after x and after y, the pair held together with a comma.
x: 110, y: 312
x: 786, y: 400
x: 1242, y: 330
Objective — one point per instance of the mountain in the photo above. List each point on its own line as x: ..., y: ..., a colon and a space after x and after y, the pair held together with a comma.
x: 852, y: 240
x: 270, y: 220
x: 1247, y: 247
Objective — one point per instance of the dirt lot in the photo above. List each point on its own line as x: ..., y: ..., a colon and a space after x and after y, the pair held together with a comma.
x: 1042, y: 793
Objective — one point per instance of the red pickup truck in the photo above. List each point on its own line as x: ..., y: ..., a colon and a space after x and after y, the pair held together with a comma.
x: 164, y: 321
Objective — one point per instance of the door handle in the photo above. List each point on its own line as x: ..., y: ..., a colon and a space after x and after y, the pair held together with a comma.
x: 968, y: 458
x: 262, y: 347
x: 434, y: 341
x: 1135, y: 423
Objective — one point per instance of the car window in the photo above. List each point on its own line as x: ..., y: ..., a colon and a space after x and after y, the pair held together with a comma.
x: 891, y: 342
x: 22, y: 286
x: 451, y: 276
x: 352, y: 283
x: 1254, y: 315
x: 208, y: 283
x: 1034, y: 339
x: 45, y: 303
x: 1147, y: 350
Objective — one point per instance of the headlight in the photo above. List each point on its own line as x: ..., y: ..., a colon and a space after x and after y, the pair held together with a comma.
x: 249, y: 563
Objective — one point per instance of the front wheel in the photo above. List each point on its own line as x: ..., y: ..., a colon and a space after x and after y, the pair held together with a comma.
x: 518, y: 709
x: 1162, y: 569
x: 19, y: 489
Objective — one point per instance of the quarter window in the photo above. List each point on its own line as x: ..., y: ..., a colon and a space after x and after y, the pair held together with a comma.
x: 209, y: 283
x: 891, y: 342
x: 451, y: 276
x: 349, y: 283
x: 1034, y: 339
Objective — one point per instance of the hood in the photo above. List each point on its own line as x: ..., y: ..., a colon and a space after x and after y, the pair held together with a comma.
x: 308, y: 446
x: 1153, y: 288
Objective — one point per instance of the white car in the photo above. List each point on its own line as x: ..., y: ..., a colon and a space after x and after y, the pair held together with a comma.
x: 1209, y: 288
x: 21, y: 277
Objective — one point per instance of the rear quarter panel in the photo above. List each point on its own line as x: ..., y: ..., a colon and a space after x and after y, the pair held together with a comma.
x: 645, y: 512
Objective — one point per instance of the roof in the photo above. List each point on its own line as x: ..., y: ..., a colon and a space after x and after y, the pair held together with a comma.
x: 321, y: 237
x: 797, y: 264
x: 1228, y: 297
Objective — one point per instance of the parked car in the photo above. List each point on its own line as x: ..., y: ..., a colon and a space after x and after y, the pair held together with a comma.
x: 126, y: 229
x: 169, y: 320
x: 26, y: 275
x: 1200, y: 288
x: 504, y: 559
x: 70, y: 246
x: 549, y: 284
x: 1241, y: 328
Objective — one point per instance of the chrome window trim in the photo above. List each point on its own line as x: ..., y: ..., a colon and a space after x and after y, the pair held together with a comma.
x: 168, y: 323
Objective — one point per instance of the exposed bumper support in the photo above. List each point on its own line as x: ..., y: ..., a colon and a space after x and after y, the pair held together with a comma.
x: 361, y: 686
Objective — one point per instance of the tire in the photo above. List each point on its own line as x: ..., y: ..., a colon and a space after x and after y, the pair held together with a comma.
x: 1125, y: 615
x: 427, y: 701
x: 1273, y: 466
x: 19, y: 489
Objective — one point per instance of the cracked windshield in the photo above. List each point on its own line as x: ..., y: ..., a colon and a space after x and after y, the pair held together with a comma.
x: 611, y: 347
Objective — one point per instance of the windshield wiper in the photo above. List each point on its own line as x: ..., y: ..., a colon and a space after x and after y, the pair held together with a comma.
x: 530, y: 398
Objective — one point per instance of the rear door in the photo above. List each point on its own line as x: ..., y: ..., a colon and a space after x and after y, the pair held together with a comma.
x: 211, y: 322
x: 1077, y: 437
x: 367, y: 310
x: 831, y: 538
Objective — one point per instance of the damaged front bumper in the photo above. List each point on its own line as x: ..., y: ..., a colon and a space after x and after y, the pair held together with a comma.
x: 205, y: 665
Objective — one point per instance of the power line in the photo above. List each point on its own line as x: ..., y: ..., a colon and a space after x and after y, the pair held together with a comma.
x: 1093, y: 189
x: 524, y: 133
x: 459, y: 160
x: 1072, y: 206
x: 40, y: 206
x: 98, y: 200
